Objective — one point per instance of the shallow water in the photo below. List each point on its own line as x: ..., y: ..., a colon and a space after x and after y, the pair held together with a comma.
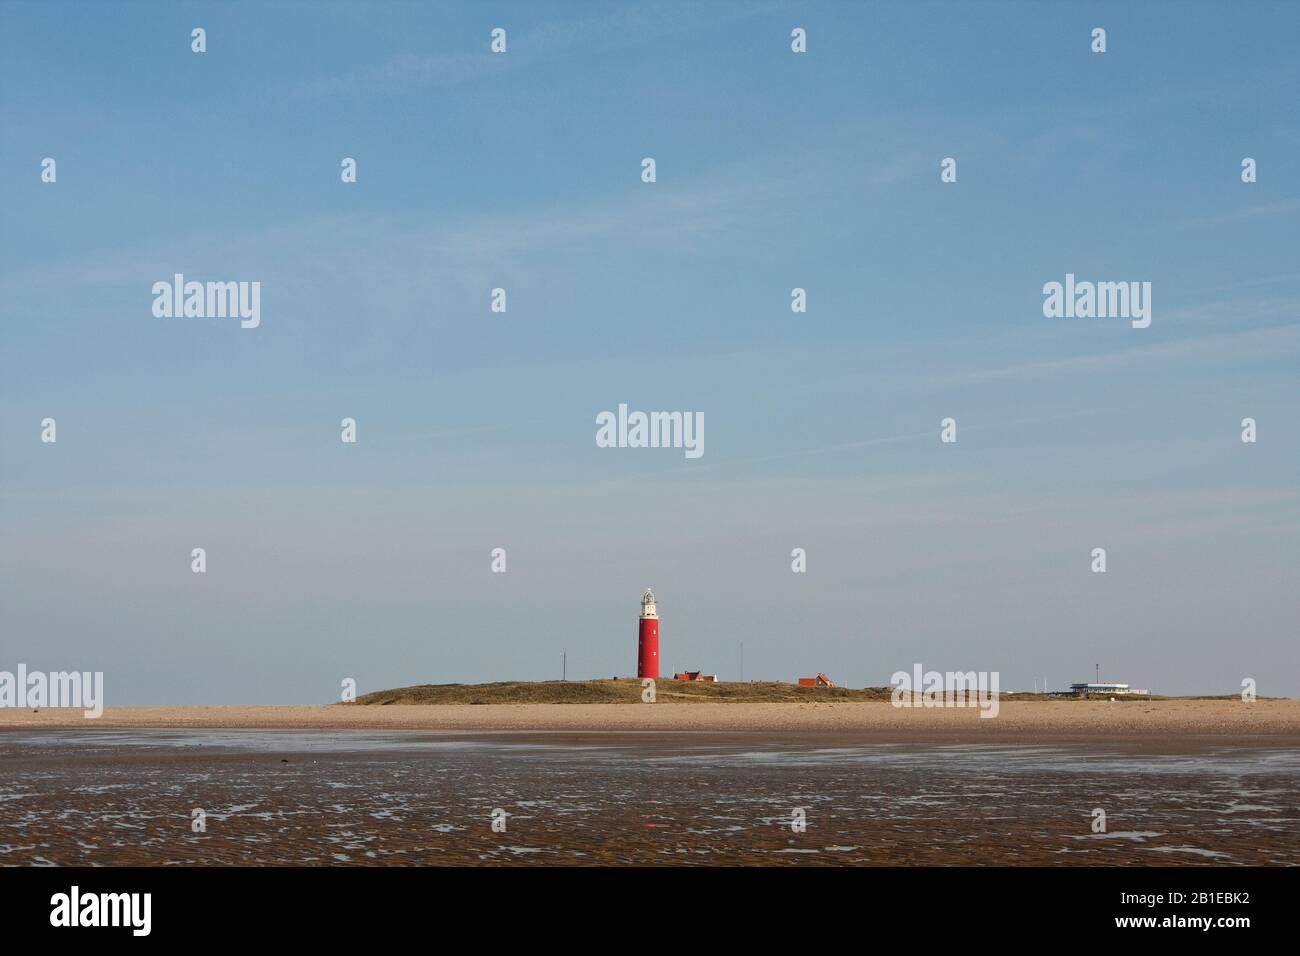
x: 370, y: 797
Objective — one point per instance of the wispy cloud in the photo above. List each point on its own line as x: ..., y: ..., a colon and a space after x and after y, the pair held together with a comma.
x: 409, y: 72
x: 1230, y: 347
x: 1281, y: 207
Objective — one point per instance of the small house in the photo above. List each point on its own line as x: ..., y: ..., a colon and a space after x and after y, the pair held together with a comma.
x: 821, y: 680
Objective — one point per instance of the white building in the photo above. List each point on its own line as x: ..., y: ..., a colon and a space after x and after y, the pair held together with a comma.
x: 1114, y: 690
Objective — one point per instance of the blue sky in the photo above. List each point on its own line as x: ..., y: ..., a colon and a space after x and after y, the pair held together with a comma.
x: 476, y: 430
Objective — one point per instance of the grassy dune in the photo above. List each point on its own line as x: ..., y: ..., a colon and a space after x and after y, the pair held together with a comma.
x: 668, y: 691
x: 623, y: 691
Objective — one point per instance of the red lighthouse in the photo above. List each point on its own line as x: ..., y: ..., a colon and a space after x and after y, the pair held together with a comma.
x: 647, y: 653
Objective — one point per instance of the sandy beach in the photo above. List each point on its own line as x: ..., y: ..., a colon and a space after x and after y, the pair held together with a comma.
x: 1016, y: 720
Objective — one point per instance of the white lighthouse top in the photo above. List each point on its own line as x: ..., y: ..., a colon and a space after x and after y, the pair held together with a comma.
x: 648, y: 604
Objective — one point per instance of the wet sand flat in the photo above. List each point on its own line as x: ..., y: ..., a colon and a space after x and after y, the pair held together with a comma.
x: 386, y: 797
x: 1187, y: 782
x: 1016, y: 720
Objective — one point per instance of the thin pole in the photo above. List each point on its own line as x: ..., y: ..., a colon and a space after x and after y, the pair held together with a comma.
x: 564, y: 674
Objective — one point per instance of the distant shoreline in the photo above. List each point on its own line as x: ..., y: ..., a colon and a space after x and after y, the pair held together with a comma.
x: 1025, y: 720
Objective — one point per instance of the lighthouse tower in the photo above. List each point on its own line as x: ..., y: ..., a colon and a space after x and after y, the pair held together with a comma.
x: 647, y: 653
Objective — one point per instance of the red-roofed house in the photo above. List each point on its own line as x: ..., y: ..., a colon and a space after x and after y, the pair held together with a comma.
x: 821, y: 680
